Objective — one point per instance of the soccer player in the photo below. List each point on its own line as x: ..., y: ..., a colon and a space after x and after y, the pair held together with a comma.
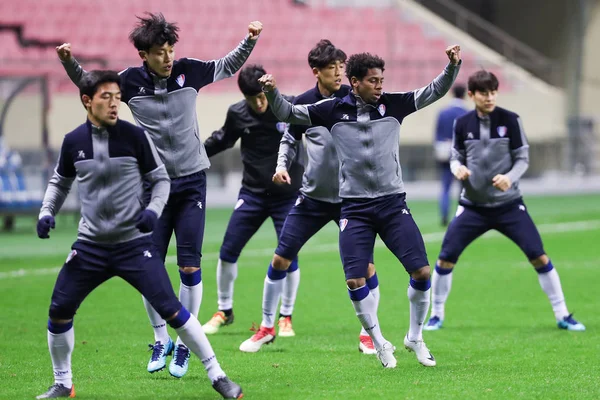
x: 110, y: 159
x: 252, y: 121
x: 161, y: 95
x: 443, y: 146
x: 365, y: 127
x: 319, y: 201
x: 490, y: 153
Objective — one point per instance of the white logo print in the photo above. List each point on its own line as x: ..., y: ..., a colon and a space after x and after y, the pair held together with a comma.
x: 405, y: 211
x: 147, y: 254
x: 381, y: 109
x: 459, y: 211
x: 343, y: 224
x: 502, y: 131
x: 299, y: 200
x: 469, y: 135
x: 80, y: 155
x: 142, y: 90
x: 199, y: 205
x: 71, y: 255
x: 180, y: 80
x: 521, y: 207
x: 246, y: 131
x: 345, y: 116
x: 238, y: 204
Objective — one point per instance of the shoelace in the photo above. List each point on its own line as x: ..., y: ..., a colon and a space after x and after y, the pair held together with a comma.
x: 259, y: 332
x: 56, y: 389
x: 181, y: 355
x: 569, y: 319
x: 221, y: 317
x: 157, y: 349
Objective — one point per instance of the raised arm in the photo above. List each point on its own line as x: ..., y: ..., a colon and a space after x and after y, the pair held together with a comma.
x: 232, y: 62
x: 59, y: 185
x: 70, y: 64
x: 442, y: 83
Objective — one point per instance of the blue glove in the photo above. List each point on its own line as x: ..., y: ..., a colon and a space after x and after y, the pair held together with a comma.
x: 146, y: 221
x: 44, y: 225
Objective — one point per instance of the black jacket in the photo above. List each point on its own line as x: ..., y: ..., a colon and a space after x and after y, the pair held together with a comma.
x: 260, y: 135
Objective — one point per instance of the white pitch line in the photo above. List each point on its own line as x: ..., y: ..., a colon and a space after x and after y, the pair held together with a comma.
x: 328, y: 247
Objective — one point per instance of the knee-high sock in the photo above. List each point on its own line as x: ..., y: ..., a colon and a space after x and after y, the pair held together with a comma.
x: 190, y: 293
x: 418, y: 295
x: 190, y: 331
x: 373, y: 285
x: 226, y: 275
x: 159, y: 325
x: 365, y: 306
x: 61, y: 341
x: 290, y: 289
x: 273, y: 287
x: 440, y: 287
x: 550, y: 283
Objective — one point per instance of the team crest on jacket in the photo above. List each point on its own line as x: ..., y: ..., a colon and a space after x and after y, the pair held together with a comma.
x: 181, y: 80
x: 502, y: 131
x: 381, y: 109
x: 343, y: 224
x: 281, y: 126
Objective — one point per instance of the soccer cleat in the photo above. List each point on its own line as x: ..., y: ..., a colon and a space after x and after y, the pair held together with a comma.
x: 365, y: 345
x: 285, y: 327
x: 158, y: 360
x: 264, y: 335
x: 424, y: 356
x: 179, y: 364
x: 58, y: 390
x: 218, y: 320
x: 433, y: 324
x: 570, y: 324
x: 227, y: 388
x: 386, y: 355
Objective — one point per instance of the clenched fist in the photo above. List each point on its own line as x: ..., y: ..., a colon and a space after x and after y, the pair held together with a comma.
x: 453, y: 53
x: 64, y: 51
x: 254, y: 29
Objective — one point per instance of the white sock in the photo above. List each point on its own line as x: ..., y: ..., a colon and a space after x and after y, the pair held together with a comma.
x: 61, y: 347
x: 271, y: 294
x: 191, y: 297
x: 419, y: 305
x: 366, y: 311
x: 290, y: 290
x: 226, y: 275
x: 550, y: 283
x: 375, y: 293
x: 440, y: 288
x: 161, y: 334
x: 195, y: 339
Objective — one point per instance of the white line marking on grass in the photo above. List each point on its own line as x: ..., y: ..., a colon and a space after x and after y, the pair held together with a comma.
x: 560, y: 227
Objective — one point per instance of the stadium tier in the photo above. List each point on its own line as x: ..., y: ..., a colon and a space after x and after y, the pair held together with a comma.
x: 412, y: 49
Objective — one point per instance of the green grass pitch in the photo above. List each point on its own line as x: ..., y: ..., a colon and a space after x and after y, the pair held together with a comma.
x: 499, y: 339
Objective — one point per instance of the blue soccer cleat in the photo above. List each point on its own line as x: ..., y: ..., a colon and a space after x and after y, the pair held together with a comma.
x: 570, y: 324
x: 433, y: 324
x: 179, y: 364
x: 160, y: 351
